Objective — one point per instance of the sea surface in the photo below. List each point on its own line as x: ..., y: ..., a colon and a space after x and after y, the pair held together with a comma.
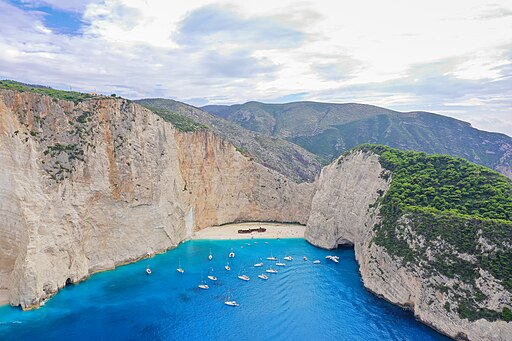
x: 303, y: 301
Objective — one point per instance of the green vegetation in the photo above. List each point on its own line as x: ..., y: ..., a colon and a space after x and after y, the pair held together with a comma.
x: 181, y: 122
x: 57, y: 94
x: 461, y: 218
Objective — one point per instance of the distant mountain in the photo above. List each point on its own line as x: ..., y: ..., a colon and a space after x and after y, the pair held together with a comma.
x: 328, y: 129
x: 276, y: 153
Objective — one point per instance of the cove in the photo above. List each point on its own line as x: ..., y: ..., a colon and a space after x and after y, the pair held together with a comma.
x: 303, y: 301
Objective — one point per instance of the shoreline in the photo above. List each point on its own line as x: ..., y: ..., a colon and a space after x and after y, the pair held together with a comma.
x: 230, y: 231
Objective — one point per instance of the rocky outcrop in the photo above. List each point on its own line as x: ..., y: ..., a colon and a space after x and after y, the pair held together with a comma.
x: 345, y: 209
x: 91, y: 185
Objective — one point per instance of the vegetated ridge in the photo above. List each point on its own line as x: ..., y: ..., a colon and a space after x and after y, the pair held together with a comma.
x: 328, y: 129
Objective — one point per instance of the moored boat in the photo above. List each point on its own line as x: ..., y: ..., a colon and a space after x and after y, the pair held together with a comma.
x: 263, y: 276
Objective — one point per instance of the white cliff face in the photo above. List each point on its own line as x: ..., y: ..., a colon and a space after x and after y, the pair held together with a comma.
x: 86, y: 187
x: 350, y: 187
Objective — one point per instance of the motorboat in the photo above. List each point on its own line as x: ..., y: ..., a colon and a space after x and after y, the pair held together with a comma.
x: 288, y: 258
x: 305, y: 258
x: 244, y: 277
x: 204, y: 286
x: 316, y: 262
x: 231, y: 254
x: 259, y: 264
x: 227, y: 267
x: 210, y: 256
x: 263, y: 276
x: 335, y: 259
x: 148, y: 270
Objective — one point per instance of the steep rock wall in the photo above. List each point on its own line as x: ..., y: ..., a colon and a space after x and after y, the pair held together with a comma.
x: 85, y: 187
x: 344, y: 209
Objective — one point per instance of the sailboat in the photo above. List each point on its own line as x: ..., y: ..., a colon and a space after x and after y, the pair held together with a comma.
x: 203, y: 284
x: 210, y: 257
x: 231, y: 254
x: 148, y: 270
x: 259, y: 264
x: 280, y: 263
x: 243, y: 277
x: 227, y: 267
x: 270, y: 270
x: 180, y: 269
x: 229, y: 302
x: 271, y: 257
x: 212, y: 277
x: 263, y: 276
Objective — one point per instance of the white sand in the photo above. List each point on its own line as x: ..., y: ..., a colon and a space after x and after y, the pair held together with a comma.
x: 4, y: 296
x: 230, y: 231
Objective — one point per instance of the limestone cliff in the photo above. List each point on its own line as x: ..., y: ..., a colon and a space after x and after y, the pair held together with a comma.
x: 346, y: 209
x: 90, y: 185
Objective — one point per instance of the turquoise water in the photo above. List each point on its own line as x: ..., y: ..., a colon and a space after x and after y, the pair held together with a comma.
x: 302, y: 302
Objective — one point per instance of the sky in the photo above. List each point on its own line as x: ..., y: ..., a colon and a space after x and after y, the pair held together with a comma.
x: 449, y: 57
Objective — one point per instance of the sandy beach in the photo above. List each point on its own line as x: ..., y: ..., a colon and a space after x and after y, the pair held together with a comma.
x: 4, y: 296
x: 230, y: 231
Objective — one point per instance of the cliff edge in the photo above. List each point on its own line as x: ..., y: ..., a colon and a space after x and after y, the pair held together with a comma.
x: 441, y: 265
x: 90, y: 184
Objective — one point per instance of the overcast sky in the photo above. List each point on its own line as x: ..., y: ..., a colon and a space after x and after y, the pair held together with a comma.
x: 451, y: 57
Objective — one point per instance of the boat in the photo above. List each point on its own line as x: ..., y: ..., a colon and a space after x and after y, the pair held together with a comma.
x: 288, y: 258
x: 230, y: 302
x: 316, y: 262
x: 180, y: 269
x: 244, y: 277
x: 271, y: 257
x: 210, y: 257
x: 227, y: 267
x: 148, y: 270
x: 263, y: 276
x: 305, y: 258
x: 335, y: 259
x: 212, y: 277
x: 231, y: 254
x: 203, y: 284
x: 259, y: 264
x: 280, y: 264
x: 271, y: 271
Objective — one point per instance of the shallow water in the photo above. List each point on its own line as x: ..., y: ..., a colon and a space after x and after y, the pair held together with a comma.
x: 302, y: 302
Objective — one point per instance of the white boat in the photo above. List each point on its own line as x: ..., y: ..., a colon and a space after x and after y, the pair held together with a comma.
x: 148, y: 270
x: 305, y: 258
x: 288, y: 258
x: 211, y: 276
x: 230, y: 302
x: 271, y: 271
x: 231, y: 254
x: 244, y: 277
x: 316, y: 262
x: 335, y: 259
x: 227, y: 267
x: 210, y: 257
x: 203, y: 285
x: 271, y: 257
x: 180, y: 269
x: 259, y: 264
x: 263, y: 276
x: 280, y: 264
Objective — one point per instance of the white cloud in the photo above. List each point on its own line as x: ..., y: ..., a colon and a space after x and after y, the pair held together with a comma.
x: 453, y: 55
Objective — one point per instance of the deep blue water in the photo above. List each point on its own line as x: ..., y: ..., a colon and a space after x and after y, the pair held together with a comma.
x: 302, y: 302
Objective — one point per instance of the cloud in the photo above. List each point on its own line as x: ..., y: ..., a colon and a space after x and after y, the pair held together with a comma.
x: 449, y: 57
x: 220, y: 26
